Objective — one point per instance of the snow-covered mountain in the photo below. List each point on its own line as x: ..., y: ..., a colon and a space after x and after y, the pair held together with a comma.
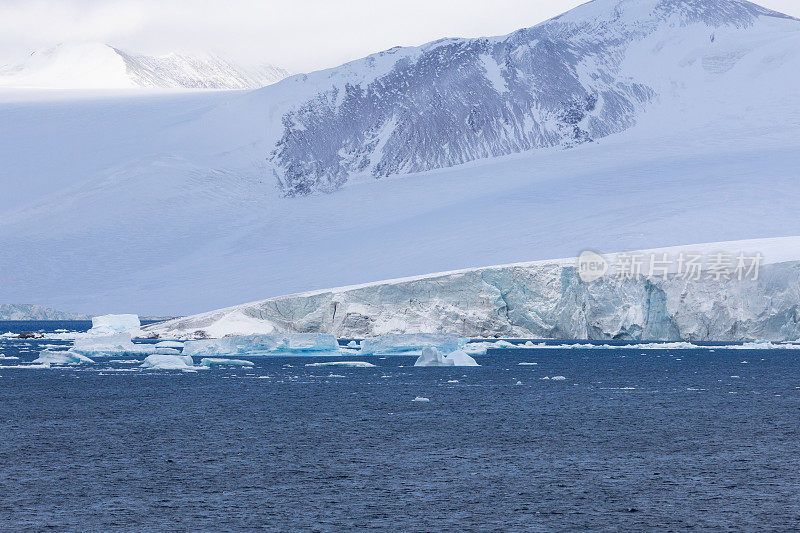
x: 35, y: 312
x: 169, y: 204
x: 570, y: 80
x: 100, y: 66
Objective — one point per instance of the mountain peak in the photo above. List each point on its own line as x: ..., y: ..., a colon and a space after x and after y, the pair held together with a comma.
x: 740, y: 13
x: 93, y: 65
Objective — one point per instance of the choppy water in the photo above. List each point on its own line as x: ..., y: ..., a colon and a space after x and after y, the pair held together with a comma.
x: 667, y: 439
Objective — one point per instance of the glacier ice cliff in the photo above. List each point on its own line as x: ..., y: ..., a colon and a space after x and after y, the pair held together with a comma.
x: 546, y: 300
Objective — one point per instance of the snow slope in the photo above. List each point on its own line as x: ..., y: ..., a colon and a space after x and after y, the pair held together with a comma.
x: 546, y: 300
x: 100, y: 66
x: 173, y: 207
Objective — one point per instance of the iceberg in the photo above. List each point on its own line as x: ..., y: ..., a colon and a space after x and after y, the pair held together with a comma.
x: 265, y: 345
x: 61, y: 357
x: 105, y: 324
x: 218, y: 361
x: 167, y: 362
x: 410, y: 344
x: 433, y: 357
x: 116, y: 344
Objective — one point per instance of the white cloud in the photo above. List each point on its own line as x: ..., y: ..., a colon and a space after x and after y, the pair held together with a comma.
x: 298, y: 34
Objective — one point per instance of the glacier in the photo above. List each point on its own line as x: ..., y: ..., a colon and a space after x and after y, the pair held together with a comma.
x: 545, y: 299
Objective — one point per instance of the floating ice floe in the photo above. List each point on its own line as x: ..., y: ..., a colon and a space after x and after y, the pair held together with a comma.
x: 352, y: 344
x: 167, y: 362
x: 762, y: 345
x: 410, y: 344
x: 41, y: 366
x: 265, y: 345
x: 218, y: 361
x: 61, y: 357
x: 108, y: 324
x: 116, y: 344
x: 421, y: 399
x: 433, y: 357
x: 352, y: 364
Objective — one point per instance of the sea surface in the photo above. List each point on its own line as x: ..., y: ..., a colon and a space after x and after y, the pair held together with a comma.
x: 630, y: 440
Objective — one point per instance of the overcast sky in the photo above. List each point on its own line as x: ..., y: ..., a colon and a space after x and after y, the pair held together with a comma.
x: 301, y: 35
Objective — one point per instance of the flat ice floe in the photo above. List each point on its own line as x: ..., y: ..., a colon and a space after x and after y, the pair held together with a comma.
x: 433, y: 357
x: 61, y: 357
x: 218, y: 361
x: 351, y: 364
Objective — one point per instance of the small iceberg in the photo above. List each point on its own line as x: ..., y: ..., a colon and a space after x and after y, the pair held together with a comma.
x: 55, y: 357
x: 421, y: 399
x: 352, y: 364
x: 218, y: 361
x: 410, y: 344
x: 109, y: 324
x: 167, y: 362
x: 433, y: 357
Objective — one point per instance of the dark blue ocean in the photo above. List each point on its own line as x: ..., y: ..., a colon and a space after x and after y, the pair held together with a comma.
x: 630, y: 440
